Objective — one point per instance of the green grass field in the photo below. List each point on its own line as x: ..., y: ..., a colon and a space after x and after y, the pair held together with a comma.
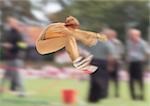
x: 47, y: 92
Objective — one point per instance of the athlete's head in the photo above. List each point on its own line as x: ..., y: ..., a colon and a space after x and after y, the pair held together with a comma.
x: 72, y: 22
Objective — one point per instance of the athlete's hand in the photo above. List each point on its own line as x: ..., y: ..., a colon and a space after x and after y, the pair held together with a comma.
x: 102, y: 37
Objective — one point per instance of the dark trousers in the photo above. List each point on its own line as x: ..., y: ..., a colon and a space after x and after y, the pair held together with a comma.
x: 136, y: 75
x: 14, y: 75
x: 113, y: 75
x: 98, y: 81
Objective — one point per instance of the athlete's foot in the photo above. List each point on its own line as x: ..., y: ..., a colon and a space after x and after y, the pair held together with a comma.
x: 89, y: 69
x: 83, y: 64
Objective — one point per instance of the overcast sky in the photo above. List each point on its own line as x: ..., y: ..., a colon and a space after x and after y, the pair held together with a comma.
x: 43, y: 10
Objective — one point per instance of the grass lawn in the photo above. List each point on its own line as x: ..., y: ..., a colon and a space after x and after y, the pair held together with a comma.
x: 47, y: 92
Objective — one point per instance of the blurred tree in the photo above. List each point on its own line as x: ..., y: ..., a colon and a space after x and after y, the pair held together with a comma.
x: 16, y: 8
x: 19, y: 9
x: 94, y: 14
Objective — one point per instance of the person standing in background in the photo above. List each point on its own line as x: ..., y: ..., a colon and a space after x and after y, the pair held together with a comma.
x: 137, y: 49
x: 101, y: 52
x: 114, y: 64
x: 14, y: 47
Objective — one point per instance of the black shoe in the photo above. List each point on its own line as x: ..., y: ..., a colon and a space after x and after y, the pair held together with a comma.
x: 141, y: 98
x: 117, y: 96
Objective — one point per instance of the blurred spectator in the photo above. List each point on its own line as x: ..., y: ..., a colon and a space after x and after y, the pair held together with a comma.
x: 137, y: 49
x: 114, y: 64
x: 99, y: 79
x: 14, y: 46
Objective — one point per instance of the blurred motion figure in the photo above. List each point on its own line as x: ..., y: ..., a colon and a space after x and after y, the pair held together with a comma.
x: 137, y: 50
x: 98, y: 90
x: 14, y: 50
x: 116, y: 58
